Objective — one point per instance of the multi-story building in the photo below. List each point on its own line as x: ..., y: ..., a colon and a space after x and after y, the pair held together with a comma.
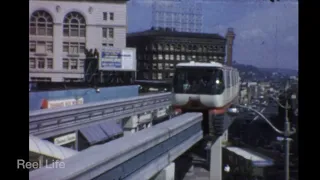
x: 159, y: 50
x: 252, y: 90
x: 60, y: 31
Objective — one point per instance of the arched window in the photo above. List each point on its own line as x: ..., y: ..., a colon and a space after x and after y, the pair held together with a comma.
x: 178, y: 47
x: 199, y: 48
x: 166, y: 47
x: 172, y: 47
x: 183, y: 48
x: 205, y: 49
x: 74, y: 25
x: 210, y: 49
x: 189, y: 47
x: 194, y: 48
x: 40, y: 50
x: 154, y: 46
x: 41, y: 24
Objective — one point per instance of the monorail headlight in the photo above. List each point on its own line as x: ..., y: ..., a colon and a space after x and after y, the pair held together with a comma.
x: 227, y: 168
x: 233, y: 111
x: 217, y: 81
x: 97, y: 90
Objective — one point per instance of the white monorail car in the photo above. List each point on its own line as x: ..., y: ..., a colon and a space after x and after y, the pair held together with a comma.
x: 204, y: 86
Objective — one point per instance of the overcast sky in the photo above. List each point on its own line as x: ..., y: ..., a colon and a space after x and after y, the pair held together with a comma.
x: 266, y: 33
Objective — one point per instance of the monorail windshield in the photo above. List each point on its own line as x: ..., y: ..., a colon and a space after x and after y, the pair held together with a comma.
x: 198, y: 80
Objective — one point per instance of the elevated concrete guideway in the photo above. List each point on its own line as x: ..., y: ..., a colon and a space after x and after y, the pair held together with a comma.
x: 137, y: 157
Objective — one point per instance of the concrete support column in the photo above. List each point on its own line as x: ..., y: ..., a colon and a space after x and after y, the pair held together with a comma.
x: 77, y: 141
x: 216, y: 160
x: 131, y: 124
x: 226, y: 135
x: 166, y: 174
x: 57, y: 49
x: 145, y: 119
x: 41, y: 160
x: 190, y: 171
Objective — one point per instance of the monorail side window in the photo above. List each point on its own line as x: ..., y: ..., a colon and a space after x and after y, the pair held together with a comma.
x: 232, y: 78
x: 227, y: 78
x: 198, y: 80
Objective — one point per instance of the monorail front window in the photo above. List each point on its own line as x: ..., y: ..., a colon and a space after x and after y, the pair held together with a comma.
x: 198, y: 80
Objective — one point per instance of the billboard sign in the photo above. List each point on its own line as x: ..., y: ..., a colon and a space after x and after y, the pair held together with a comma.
x: 50, y: 104
x: 62, y: 140
x: 115, y: 59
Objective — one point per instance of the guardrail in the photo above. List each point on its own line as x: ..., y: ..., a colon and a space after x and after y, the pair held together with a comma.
x: 51, y: 122
x: 139, y: 156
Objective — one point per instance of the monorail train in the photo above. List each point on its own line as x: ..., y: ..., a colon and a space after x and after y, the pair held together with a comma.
x: 200, y: 87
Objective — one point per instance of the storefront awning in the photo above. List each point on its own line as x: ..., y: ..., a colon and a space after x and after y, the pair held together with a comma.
x: 111, y: 128
x: 101, y: 132
x: 49, y: 149
x: 94, y: 134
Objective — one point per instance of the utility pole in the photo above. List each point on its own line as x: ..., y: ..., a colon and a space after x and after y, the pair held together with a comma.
x: 276, y: 46
x: 287, y: 134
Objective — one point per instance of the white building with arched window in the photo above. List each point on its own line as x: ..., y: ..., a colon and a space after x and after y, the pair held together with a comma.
x: 59, y: 32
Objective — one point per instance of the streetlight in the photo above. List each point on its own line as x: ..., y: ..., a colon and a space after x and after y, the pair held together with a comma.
x: 234, y: 111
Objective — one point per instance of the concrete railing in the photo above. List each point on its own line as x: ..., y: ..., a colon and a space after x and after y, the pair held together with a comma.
x: 50, y: 122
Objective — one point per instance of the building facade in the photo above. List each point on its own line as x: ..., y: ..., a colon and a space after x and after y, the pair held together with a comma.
x: 60, y: 31
x: 158, y: 51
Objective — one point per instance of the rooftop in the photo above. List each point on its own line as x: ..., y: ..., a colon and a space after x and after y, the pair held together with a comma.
x: 49, y: 149
x: 170, y: 33
x: 256, y: 158
x: 200, y: 64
